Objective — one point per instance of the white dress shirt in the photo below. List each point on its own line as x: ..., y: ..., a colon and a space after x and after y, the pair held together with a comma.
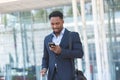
x: 57, y: 39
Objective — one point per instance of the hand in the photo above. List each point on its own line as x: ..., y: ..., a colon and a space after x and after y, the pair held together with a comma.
x: 56, y: 49
x: 43, y: 71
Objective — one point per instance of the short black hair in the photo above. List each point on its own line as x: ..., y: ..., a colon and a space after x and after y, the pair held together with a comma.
x: 56, y: 14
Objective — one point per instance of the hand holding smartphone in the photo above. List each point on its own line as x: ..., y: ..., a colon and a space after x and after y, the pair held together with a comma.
x: 55, y: 48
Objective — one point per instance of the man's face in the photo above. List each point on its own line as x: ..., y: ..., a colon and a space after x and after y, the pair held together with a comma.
x: 56, y: 24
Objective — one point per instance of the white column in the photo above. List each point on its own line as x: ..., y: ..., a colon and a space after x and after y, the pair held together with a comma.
x: 85, y: 41
x: 106, y: 72
x: 74, y: 6
x: 97, y: 45
x: 100, y: 40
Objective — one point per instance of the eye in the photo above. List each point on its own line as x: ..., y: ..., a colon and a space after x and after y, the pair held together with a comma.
x: 52, y: 23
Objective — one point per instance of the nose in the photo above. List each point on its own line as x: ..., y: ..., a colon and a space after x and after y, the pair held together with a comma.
x: 54, y: 26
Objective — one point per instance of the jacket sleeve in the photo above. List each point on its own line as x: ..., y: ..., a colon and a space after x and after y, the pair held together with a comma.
x: 45, y: 58
x: 77, y: 50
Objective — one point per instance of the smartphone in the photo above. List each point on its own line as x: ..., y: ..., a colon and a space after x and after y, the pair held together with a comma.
x: 52, y: 44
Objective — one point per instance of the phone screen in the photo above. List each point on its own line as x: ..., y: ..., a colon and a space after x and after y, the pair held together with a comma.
x: 51, y: 44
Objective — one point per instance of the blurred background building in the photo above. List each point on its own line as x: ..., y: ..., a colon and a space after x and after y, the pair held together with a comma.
x: 24, y: 24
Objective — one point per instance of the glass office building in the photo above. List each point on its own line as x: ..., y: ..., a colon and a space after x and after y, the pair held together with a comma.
x: 22, y: 34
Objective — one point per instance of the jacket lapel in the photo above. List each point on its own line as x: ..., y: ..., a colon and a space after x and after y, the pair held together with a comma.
x: 64, y: 38
x: 50, y: 38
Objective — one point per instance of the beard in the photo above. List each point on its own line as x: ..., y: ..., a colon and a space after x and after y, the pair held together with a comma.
x: 57, y: 32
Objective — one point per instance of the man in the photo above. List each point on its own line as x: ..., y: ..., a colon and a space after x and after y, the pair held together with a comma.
x: 57, y: 58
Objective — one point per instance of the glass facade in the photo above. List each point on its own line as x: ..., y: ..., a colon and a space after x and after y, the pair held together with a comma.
x: 22, y: 35
x: 112, y: 10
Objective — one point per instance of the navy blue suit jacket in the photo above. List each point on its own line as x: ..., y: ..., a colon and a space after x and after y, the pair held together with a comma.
x: 64, y: 60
